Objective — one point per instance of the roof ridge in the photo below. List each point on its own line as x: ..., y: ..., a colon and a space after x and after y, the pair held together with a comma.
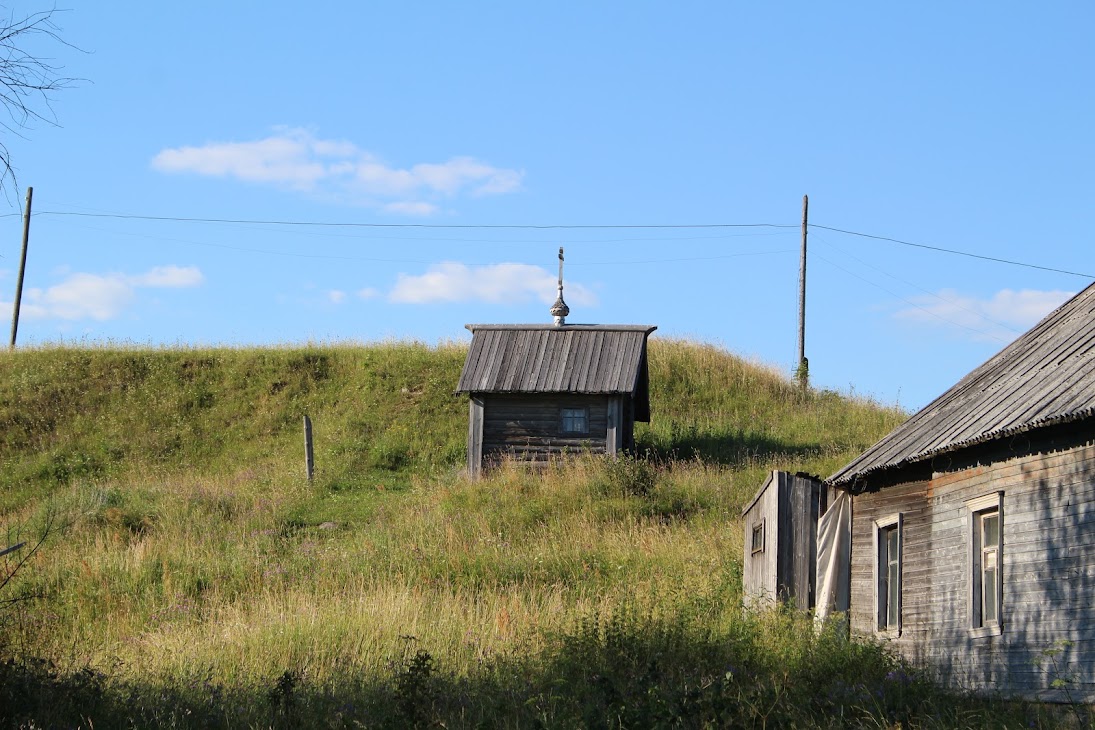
x: 1040, y: 378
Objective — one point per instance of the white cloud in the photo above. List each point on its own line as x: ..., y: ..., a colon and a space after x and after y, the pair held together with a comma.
x: 336, y: 297
x: 294, y: 158
x: 1003, y: 316
x: 497, y: 283
x: 169, y: 277
x: 101, y: 296
x: 368, y: 293
x: 411, y: 208
x: 81, y: 296
x: 461, y: 172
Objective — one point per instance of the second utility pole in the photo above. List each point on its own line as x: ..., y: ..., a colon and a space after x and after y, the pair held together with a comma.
x: 22, y: 270
x: 802, y: 371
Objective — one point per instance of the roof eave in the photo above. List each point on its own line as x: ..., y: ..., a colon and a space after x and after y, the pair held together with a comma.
x: 844, y: 481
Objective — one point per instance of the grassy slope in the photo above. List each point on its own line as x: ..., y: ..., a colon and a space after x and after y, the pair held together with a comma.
x: 194, y: 564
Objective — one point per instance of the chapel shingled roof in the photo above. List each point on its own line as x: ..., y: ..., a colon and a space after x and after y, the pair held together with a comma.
x: 1043, y: 378
x: 575, y: 358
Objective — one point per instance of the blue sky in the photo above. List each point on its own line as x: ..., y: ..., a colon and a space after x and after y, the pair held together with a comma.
x: 460, y: 126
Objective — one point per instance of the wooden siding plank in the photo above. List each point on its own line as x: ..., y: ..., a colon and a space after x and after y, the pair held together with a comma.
x: 550, y: 364
x: 629, y: 378
x: 1048, y: 568
x: 566, y: 346
x: 620, y: 357
x: 596, y: 353
x: 476, y: 362
x: 580, y: 375
x: 514, y: 369
x: 505, y: 359
x: 531, y: 381
x: 475, y: 437
x: 470, y: 363
x: 488, y: 373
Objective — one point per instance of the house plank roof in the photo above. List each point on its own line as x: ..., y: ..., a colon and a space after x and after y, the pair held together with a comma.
x: 572, y: 358
x: 1045, y: 377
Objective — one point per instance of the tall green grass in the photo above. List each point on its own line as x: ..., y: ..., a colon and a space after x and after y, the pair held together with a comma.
x: 195, y: 578
x: 69, y: 415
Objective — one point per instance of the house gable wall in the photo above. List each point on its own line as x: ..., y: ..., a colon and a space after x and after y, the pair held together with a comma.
x: 760, y: 574
x: 1048, y: 569
x: 785, y: 511
x: 529, y: 427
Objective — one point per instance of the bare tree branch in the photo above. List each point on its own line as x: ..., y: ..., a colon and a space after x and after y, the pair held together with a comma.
x: 28, y: 81
x: 7, y: 574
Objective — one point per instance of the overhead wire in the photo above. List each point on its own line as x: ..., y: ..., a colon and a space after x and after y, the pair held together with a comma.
x: 930, y: 293
x: 548, y: 227
x: 528, y: 226
x: 294, y: 254
x: 684, y: 260
x: 358, y: 224
x: 953, y: 251
x: 913, y: 304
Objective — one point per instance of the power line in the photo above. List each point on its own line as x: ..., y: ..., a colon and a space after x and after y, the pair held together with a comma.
x: 915, y: 286
x: 674, y: 261
x: 552, y: 227
x: 911, y: 303
x: 293, y: 254
x: 953, y: 251
x: 351, y: 224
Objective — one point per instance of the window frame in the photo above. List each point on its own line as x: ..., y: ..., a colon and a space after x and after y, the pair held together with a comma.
x: 884, y: 527
x: 568, y: 414
x: 757, y: 528
x: 977, y: 510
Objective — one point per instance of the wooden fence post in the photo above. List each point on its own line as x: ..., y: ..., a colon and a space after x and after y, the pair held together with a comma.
x: 309, y: 457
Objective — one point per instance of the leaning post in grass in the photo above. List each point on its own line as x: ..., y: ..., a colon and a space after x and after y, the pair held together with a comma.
x: 309, y: 457
x: 11, y: 549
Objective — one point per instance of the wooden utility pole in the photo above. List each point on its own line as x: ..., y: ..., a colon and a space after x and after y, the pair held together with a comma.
x: 802, y: 371
x: 22, y: 270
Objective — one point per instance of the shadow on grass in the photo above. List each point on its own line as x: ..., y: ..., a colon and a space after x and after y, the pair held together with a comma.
x: 727, y: 449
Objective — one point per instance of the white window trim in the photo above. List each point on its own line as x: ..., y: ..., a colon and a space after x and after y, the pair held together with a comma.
x: 986, y: 503
x: 881, y: 524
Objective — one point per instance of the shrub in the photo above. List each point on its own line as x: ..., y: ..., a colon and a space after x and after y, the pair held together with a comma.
x: 625, y: 476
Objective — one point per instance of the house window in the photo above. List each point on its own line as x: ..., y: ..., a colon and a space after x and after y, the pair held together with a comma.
x: 758, y: 537
x: 888, y: 572
x: 986, y: 561
x: 575, y: 420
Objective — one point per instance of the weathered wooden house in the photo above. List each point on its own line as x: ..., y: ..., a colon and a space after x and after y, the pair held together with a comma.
x: 973, y: 523
x: 539, y: 391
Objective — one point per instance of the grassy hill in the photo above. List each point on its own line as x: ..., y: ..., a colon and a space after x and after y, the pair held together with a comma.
x: 192, y: 577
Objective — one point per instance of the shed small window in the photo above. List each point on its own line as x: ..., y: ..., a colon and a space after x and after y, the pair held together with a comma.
x: 986, y: 553
x: 758, y: 537
x: 575, y: 420
x: 888, y: 570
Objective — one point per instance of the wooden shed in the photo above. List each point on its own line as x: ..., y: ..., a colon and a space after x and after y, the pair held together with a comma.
x: 781, y: 540
x: 973, y: 523
x: 537, y: 391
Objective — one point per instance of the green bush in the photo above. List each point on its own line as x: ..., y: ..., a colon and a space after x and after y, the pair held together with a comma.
x: 625, y: 476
